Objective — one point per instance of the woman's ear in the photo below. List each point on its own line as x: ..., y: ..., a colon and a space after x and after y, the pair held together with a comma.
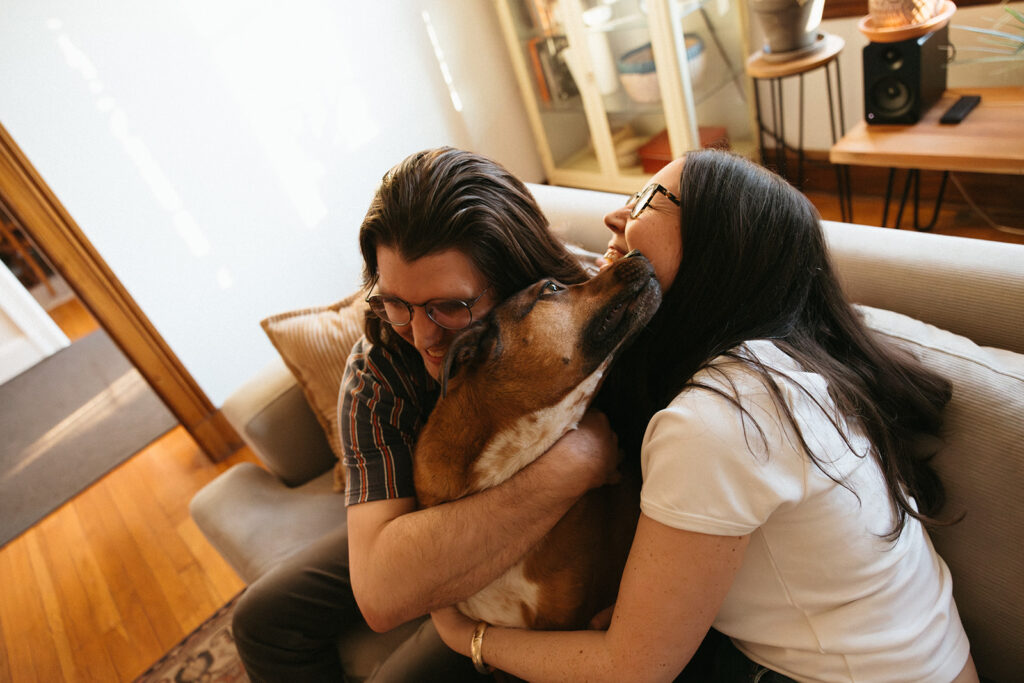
x: 476, y: 343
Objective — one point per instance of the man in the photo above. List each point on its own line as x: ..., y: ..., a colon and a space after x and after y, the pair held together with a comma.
x: 449, y: 234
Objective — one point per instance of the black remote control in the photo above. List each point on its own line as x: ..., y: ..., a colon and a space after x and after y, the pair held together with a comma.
x: 960, y: 109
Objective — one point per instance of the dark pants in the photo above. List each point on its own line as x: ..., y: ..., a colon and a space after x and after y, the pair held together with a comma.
x: 288, y: 623
x: 719, y: 661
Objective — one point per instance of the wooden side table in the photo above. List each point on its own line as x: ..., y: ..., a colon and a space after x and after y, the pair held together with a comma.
x: 766, y: 67
x: 989, y: 140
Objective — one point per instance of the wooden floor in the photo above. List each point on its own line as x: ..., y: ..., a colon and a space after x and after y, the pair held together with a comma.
x: 955, y: 218
x: 105, y: 585
x: 110, y: 581
x: 73, y: 319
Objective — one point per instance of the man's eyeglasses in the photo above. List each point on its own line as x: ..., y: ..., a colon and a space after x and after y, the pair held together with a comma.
x: 642, y: 199
x: 451, y: 314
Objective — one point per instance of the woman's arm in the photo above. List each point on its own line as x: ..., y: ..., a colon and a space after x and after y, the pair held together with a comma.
x: 406, y: 562
x: 672, y: 587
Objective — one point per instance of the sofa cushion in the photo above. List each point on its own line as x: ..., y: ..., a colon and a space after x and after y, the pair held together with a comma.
x: 273, y: 416
x: 967, y: 286
x: 277, y: 521
x: 982, y: 467
x: 314, y: 343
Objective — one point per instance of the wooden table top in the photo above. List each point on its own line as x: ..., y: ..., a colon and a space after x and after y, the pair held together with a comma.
x: 989, y: 140
x: 825, y: 50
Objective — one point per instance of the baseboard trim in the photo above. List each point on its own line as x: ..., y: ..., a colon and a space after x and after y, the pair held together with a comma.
x: 995, y: 192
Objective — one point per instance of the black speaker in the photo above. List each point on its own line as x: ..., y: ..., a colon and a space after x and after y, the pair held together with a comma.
x: 903, y: 79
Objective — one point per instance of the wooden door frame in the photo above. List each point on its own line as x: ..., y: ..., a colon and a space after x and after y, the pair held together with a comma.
x: 51, y: 227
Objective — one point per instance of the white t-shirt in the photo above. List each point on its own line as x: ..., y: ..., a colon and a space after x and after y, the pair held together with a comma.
x: 820, y: 594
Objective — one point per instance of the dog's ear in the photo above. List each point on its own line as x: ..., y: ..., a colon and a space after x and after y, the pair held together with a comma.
x: 477, y: 342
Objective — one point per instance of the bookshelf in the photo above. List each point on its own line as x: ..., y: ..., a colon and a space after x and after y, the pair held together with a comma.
x: 614, y: 88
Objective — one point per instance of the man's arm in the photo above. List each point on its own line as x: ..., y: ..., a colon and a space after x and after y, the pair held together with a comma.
x: 406, y: 562
x: 672, y: 588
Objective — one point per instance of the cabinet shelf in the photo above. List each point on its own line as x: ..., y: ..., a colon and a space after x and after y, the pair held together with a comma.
x: 685, y: 8
x: 574, y: 104
x: 630, y: 22
x: 620, y: 103
x: 640, y: 20
x: 574, y: 94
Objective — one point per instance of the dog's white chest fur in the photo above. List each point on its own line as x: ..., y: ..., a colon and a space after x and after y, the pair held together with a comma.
x: 502, y: 602
x: 531, y: 435
x: 507, y: 600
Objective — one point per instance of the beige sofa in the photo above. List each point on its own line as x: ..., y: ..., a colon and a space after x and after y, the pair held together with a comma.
x: 958, y: 303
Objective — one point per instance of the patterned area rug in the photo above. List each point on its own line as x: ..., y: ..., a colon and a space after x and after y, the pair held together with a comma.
x: 206, y: 654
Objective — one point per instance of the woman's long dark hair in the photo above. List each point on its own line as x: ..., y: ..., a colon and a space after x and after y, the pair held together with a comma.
x: 445, y: 198
x: 755, y: 266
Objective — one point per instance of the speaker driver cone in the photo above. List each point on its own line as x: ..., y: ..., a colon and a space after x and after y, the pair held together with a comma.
x: 891, y: 96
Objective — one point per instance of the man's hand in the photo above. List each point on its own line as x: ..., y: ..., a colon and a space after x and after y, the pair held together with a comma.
x: 454, y: 627
x: 590, y: 452
x: 602, y: 620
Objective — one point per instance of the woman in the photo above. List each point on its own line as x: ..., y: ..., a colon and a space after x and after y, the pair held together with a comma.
x: 784, y: 484
x: 448, y: 235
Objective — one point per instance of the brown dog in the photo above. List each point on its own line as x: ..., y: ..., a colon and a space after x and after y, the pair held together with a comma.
x: 512, y: 385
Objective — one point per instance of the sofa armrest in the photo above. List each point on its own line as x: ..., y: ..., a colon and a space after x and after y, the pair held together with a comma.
x: 972, y: 287
x: 272, y: 415
x: 577, y: 216
x: 255, y: 522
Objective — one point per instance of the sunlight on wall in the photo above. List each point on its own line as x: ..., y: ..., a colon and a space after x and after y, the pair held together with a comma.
x: 290, y: 107
x: 446, y: 73
x: 221, y: 155
x: 157, y: 181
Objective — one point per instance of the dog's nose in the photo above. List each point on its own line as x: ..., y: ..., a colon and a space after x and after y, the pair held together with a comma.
x: 634, y: 265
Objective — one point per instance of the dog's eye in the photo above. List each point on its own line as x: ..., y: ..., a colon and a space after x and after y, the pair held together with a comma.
x: 550, y: 287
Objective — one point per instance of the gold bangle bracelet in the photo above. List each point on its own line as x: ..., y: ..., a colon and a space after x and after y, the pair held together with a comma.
x: 476, y: 646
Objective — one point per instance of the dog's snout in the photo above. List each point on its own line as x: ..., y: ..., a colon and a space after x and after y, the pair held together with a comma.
x: 628, y: 295
x: 632, y: 266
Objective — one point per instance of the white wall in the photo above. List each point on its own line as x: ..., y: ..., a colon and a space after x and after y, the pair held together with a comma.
x: 220, y: 155
x: 960, y: 75
x: 27, y: 334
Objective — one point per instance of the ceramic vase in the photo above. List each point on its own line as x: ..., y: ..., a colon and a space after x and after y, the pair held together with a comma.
x: 788, y: 25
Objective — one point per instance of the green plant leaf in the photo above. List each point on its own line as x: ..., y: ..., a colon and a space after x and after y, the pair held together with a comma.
x: 1016, y: 15
x: 991, y: 32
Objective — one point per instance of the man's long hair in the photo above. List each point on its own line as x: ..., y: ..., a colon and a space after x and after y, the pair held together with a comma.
x: 445, y: 198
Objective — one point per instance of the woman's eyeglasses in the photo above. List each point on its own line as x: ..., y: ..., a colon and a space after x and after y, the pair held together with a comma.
x: 642, y: 199
x: 451, y: 314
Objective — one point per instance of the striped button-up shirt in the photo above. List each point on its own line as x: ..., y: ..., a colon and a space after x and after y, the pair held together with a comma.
x: 386, y: 397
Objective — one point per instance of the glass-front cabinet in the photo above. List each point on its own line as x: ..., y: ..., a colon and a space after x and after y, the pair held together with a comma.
x: 616, y: 88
